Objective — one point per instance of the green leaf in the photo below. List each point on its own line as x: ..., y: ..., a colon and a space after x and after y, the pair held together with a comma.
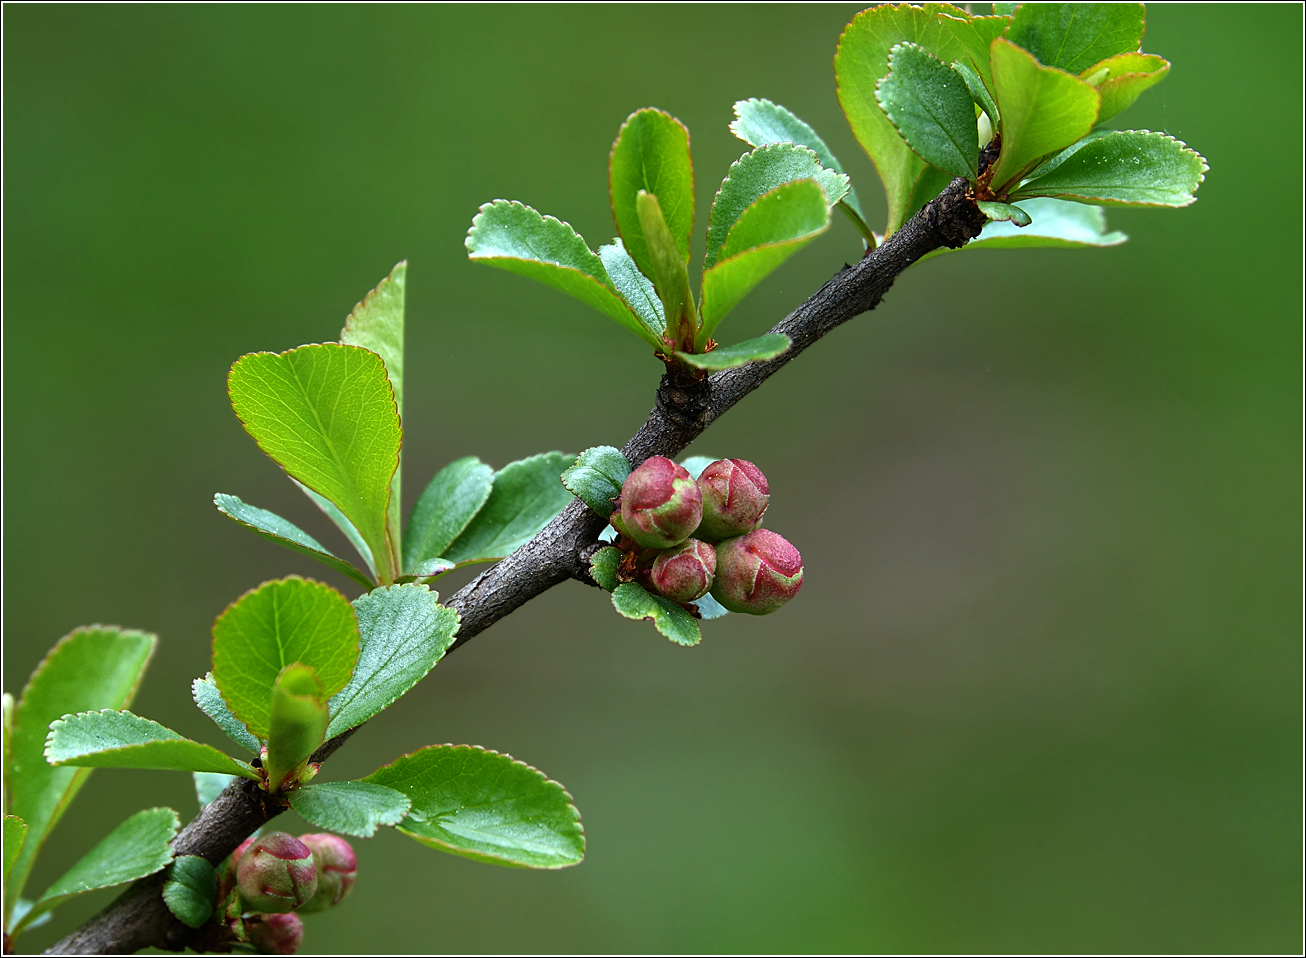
x: 1073, y: 36
x: 404, y: 631
x: 975, y: 34
x: 670, y: 277
x: 297, y: 721
x: 527, y: 494
x: 596, y: 477
x: 209, y: 785
x: 979, y: 93
x: 635, y: 602
x: 512, y: 236
x: 1126, y: 168
x: 1005, y: 9
x: 485, y: 806
x: 92, y: 668
x: 635, y: 288
x: 136, y: 848
x: 448, y: 503
x: 271, y: 526
x: 1055, y: 223
x: 1043, y: 110
x: 14, y: 835
x: 741, y: 354
x: 377, y: 323
x: 351, y: 808
x: 775, y: 226
x: 754, y: 175
x: 283, y: 621
x: 759, y: 122
x: 651, y: 153
x: 859, y: 63
x: 1004, y: 211
x: 1121, y: 79
x: 326, y: 414
x: 206, y: 695
x: 929, y: 104
x: 603, y: 567
x: 113, y: 739
x: 191, y: 890
x: 695, y: 465
x: 342, y: 523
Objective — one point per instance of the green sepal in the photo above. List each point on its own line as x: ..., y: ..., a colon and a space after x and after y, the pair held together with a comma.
x: 635, y: 602
x: 1004, y: 211
x: 930, y: 106
x: 526, y: 495
x: 651, y: 155
x: 297, y: 721
x: 206, y: 695
x: 1074, y: 36
x: 603, y: 567
x: 191, y: 890
x: 350, y: 808
x: 448, y: 503
x: 768, y: 346
x: 120, y: 739
x: 272, y: 527
x: 1125, y: 168
x: 596, y: 477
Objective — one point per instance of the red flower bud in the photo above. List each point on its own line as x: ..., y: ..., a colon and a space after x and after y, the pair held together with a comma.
x: 684, y: 573
x: 735, y: 495
x: 757, y: 573
x: 279, y: 934
x: 337, y: 868
x: 276, y: 873
x: 660, y: 504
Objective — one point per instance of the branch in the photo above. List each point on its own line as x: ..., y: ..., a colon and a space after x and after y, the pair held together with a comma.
x: 684, y: 408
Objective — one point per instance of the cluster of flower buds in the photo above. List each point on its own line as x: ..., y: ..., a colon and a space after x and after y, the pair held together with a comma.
x: 280, y: 877
x: 704, y: 536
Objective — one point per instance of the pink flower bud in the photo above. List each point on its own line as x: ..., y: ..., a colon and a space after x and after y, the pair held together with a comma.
x: 660, y: 504
x: 276, y: 873
x: 337, y: 867
x: 735, y: 495
x: 757, y: 573
x: 279, y: 934
x: 684, y: 573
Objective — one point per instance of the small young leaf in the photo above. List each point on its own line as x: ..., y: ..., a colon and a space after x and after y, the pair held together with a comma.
x: 512, y: 236
x: 1073, y: 36
x: 979, y: 93
x: 527, y: 494
x: 741, y: 354
x: 283, y: 621
x: 191, y: 890
x: 695, y: 465
x: 710, y: 608
x: 92, y: 668
x: 651, y: 153
x: 1043, y: 110
x: 297, y: 721
x: 775, y: 226
x: 136, y: 848
x: 1126, y: 168
x: 1121, y: 79
x: 635, y: 602
x: 14, y: 835
x: 596, y: 477
x: 759, y: 122
x: 206, y: 695
x: 754, y: 175
x: 351, y: 808
x: 209, y: 785
x: 326, y: 414
x: 276, y: 529
x: 485, y: 806
x: 929, y: 104
x: 670, y: 277
x: 1055, y: 223
x: 445, y: 507
x: 111, y: 739
x: 1004, y: 212
x: 975, y: 34
x: 635, y: 288
x: 404, y: 631
x: 603, y: 567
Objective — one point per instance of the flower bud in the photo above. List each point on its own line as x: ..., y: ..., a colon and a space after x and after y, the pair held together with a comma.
x: 735, y: 495
x: 276, y: 873
x: 337, y: 867
x: 684, y: 573
x: 757, y: 573
x: 660, y: 504
x: 279, y: 934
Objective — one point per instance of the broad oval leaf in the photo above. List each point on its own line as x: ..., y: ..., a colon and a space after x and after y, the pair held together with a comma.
x: 651, y: 153
x: 191, y: 890
x: 1043, y: 110
x: 117, y: 739
x: 91, y: 668
x: 403, y: 632
x: 635, y: 602
x: 326, y: 414
x: 283, y: 532
x: 1073, y: 36
x: 512, y: 236
x: 527, y: 494
x: 448, y: 503
x: 1122, y: 79
x: 635, y: 288
x: 929, y: 104
x: 1126, y: 168
x: 351, y: 808
x: 283, y: 621
x: 763, y: 347
x: 596, y: 477
x: 297, y: 720
x: 206, y: 695
x: 485, y: 806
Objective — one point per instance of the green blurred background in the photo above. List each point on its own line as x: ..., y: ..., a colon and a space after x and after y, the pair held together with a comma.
x: 1042, y: 689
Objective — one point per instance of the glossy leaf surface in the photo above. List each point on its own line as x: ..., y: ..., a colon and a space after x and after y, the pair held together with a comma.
x: 768, y: 346
x: 342, y: 523
x: 1074, y: 36
x: 651, y: 154
x: 635, y: 602
x: 929, y: 104
x: 350, y: 808
x: 527, y: 494
x: 1126, y: 168
x: 191, y: 890
x: 446, y: 506
x: 283, y: 532
x: 596, y: 477
x: 117, y: 739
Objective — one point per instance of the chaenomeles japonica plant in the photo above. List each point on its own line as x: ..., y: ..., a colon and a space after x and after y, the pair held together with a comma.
x: 985, y: 131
